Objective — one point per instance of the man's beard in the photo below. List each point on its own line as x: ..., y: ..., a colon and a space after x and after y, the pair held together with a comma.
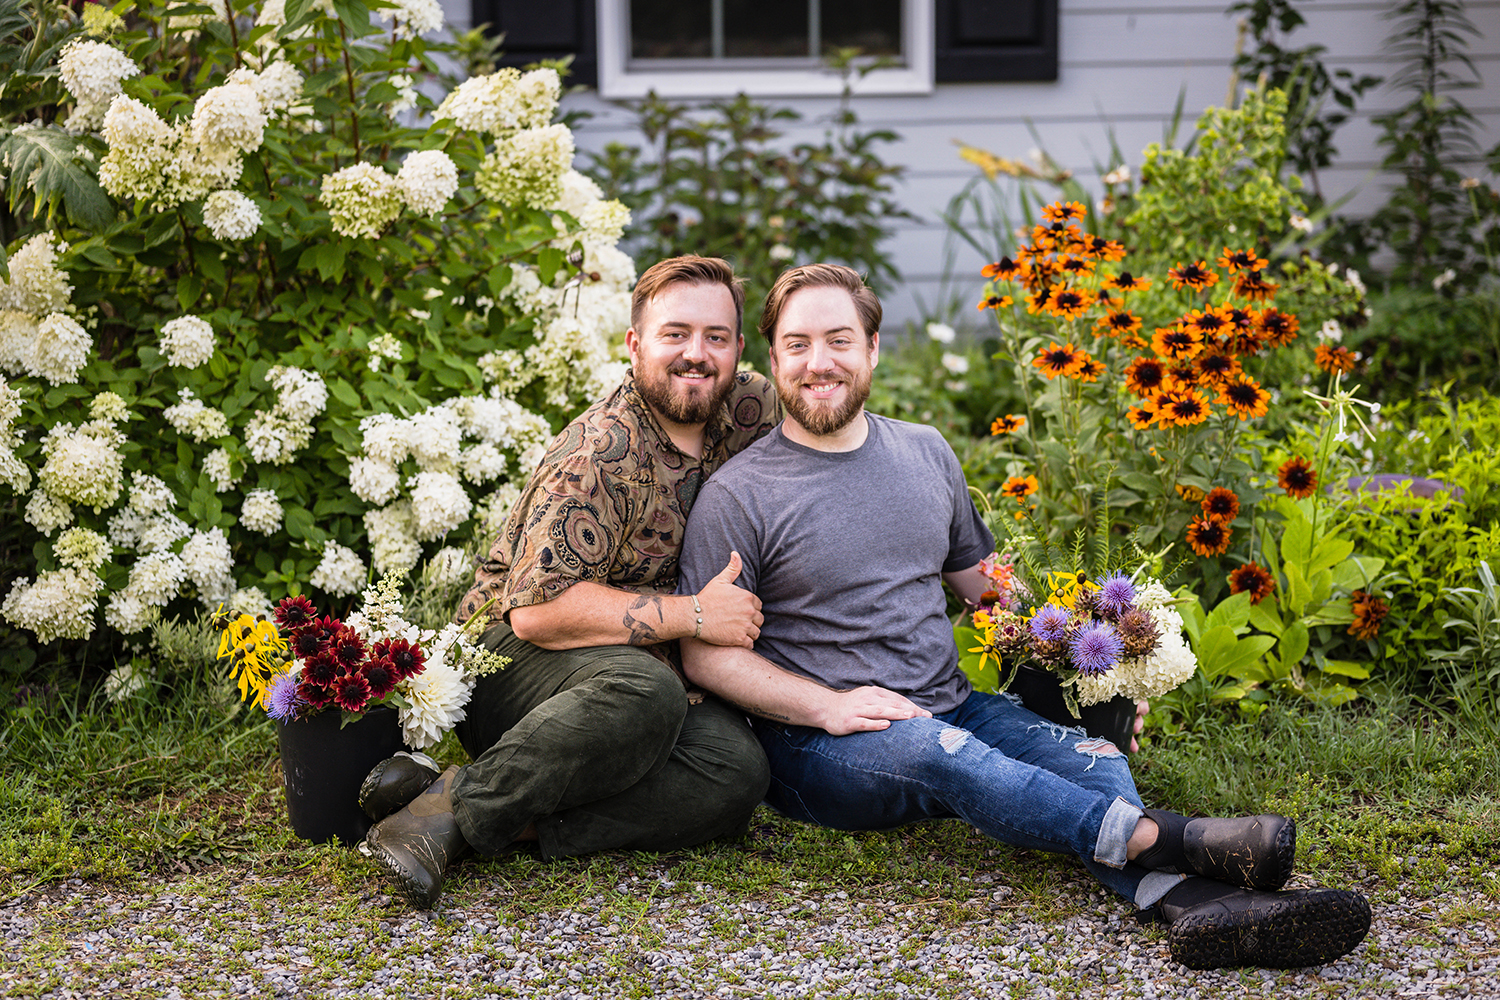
x: 681, y: 406
x: 819, y: 418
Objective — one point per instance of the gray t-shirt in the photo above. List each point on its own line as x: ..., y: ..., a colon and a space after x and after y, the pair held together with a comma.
x: 846, y: 552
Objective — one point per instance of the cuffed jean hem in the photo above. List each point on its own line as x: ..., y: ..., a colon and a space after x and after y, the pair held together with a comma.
x: 1114, y: 833
x: 1154, y: 886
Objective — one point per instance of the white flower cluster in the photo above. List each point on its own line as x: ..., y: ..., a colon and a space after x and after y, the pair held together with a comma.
x: 406, y: 94
x: 276, y: 435
x: 209, y: 565
x: 413, y: 17
x: 279, y: 85
x: 38, y: 337
x: 83, y: 463
x: 340, y: 572
x: 91, y: 71
x: 383, y: 346
x: 503, y: 101
x: 261, y: 511
x: 81, y: 549
x: 218, y: 466
x: 195, y: 419
x: 527, y: 167
x: 46, y: 513
x: 13, y: 471
x: 363, y: 199
x: 187, y: 341
x: 435, y: 698
x: 58, y: 605
x: 1167, y: 667
x: 231, y: 215
x: 427, y: 180
x: 124, y: 680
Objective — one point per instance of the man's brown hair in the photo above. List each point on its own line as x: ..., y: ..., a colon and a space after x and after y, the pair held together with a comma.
x: 866, y: 304
x: 693, y: 270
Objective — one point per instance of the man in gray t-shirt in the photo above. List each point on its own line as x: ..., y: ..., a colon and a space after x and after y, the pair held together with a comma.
x: 847, y: 524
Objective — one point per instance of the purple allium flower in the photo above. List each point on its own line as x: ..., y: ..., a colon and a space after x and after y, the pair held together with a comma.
x: 1051, y: 622
x: 281, y: 697
x: 1096, y: 648
x: 1116, y: 596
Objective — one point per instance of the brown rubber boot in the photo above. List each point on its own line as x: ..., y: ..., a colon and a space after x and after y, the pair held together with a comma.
x: 418, y: 843
x: 1213, y: 926
x: 394, y: 783
x: 1253, y: 852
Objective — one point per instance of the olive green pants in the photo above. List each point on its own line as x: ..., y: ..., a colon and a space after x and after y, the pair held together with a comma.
x: 601, y: 750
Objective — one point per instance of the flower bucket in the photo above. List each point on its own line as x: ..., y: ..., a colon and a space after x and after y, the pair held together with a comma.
x: 324, y: 766
x: 1113, y: 720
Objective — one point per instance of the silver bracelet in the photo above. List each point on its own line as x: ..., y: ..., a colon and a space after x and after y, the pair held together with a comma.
x: 699, y: 612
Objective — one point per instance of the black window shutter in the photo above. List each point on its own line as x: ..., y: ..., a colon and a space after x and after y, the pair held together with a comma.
x: 545, y: 30
x: 984, y: 40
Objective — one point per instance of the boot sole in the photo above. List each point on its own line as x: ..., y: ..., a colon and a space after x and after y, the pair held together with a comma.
x: 411, y: 889
x: 1312, y: 928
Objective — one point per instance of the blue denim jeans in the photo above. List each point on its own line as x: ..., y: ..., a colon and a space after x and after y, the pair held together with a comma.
x: 990, y: 762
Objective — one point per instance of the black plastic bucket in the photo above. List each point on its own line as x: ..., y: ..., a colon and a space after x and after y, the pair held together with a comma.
x: 1113, y: 720
x: 325, y: 765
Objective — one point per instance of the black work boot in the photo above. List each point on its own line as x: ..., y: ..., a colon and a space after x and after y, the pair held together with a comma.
x: 1212, y: 925
x: 417, y: 844
x: 1254, y: 852
x: 394, y: 782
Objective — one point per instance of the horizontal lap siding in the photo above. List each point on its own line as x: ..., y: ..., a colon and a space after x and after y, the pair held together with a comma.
x: 1122, y: 68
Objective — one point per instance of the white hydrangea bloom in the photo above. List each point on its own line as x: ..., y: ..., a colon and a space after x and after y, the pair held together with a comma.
x: 109, y: 406
x: 427, y: 180
x: 439, y: 504
x: 278, y: 85
x: 159, y: 532
x: 141, y: 146
x: 149, y: 495
x: 435, y: 703
x: 17, y: 337
x: 449, y: 565
x: 384, y: 438
x: 527, y: 167
x: 37, y: 285
x: 492, y: 512
x: 249, y: 601
x: 231, y: 215
x: 261, y: 512
x: 60, y: 350
x: 362, y: 199
x: 406, y: 94
x: 193, y: 418
x: 81, y: 549
x: 83, y: 464
x: 209, y: 564
x: 272, y: 437
x: 99, y: 20
x: 503, y: 101
x: 434, y: 437
x: 125, y: 527
x: 127, y: 612
x: 340, y: 573
x: 13, y: 472
x: 605, y: 221
x: 157, y: 577
x: 507, y: 370
x: 10, y: 406
x: 577, y: 192
x: 383, y: 346
x: 46, y: 513
x: 482, y: 462
x: 413, y: 17
x: 196, y: 169
x: 393, y: 542
x: 124, y: 680
x: 300, y: 394
x: 217, y: 465
x: 59, y: 605
x: 374, y: 481
x: 91, y: 71
x: 187, y: 341
x: 228, y: 120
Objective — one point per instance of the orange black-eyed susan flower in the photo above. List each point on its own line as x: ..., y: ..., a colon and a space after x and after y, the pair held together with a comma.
x: 1019, y: 487
x: 1254, y: 579
x: 1242, y: 341
x: 1118, y: 323
x: 1140, y: 418
x: 1183, y: 373
x: 1277, y: 327
x: 1135, y: 342
x: 1242, y: 260
x: 1008, y: 424
x: 1215, y: 367
x: 1190, y: 493
x: 1184, y: 407
x: 1104, y: 249
x: 1059, y: 359
x: 1196, y: 276
x: 1251, y: 285
x: 1208, y: 538
x: 1039, y: 299
x: 1221, y: 505
x: 1335, y: 359
x: 1209, y: 321
x: 1090, y: 370
x: 1177, y: 342
x: 1244, y: 397
x: 1075, y: 267
x: 1144, y: 376
x: 1003, y: 269
x: 1064, y: 211
x: 1127, y: 282
x: 1369, y: 612
x: 1070, y: 303
x: 994, y: 302
x: 1297, y: 477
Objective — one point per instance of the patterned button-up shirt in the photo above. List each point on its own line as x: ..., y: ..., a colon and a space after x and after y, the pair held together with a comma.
x: 610, y: 500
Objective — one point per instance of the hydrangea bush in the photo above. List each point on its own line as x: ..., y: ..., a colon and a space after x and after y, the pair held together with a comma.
x: 260, y: 331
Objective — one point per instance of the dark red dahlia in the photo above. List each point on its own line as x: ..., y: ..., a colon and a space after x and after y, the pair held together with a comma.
x: 295, y: 612
x: 315, y: 696
x: 323, y: 669
x: 306, y: 644
x: 407, y: 657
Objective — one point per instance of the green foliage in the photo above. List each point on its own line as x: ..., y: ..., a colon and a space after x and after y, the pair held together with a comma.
x: 1473, y: 666
x: 1419, y: 339
x: 720, y: 180
x: 53, y: 161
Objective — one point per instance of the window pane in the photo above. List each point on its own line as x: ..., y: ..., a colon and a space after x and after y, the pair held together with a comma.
x: 872, y: 26
x: 671, y: 29
x: 765, y: 29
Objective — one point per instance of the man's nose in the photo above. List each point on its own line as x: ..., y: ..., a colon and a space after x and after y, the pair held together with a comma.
x: 820, y: 358
x: 696, y: 348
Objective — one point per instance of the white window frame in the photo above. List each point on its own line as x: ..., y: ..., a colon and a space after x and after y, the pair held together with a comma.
x: 619, y: 80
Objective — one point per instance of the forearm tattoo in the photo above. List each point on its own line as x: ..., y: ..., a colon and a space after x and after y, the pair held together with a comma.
x: 644, y: 619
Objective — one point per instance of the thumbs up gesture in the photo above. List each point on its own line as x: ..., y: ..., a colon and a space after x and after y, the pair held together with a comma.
x: 731, y: 615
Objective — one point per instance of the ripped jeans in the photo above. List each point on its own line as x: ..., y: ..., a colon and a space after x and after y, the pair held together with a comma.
x: 990, y: 762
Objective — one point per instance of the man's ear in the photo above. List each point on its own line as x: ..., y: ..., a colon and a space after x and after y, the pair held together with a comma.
x: 633, y: 345
x: 874, y: 348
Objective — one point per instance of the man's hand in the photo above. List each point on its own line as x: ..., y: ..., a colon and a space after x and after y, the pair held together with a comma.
x: 867, y: 709
x: 731, y: 615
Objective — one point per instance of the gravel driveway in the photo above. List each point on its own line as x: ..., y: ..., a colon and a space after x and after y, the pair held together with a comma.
x: 230, y: 932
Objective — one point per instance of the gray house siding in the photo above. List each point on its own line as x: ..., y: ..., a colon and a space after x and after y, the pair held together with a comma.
x: 1123, y: 64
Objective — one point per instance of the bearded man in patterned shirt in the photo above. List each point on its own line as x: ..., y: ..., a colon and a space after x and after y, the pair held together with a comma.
x: 591, y: 739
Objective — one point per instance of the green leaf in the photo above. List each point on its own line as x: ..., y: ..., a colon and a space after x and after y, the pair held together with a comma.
x: 1357, y: 573
x: 44, y: 163
x: 299, y: 522
x: 1233, y: 611
x: 1142, y: 483
x: 1347, y: 668
x: 189, y: 288
x: 1298, y: 593
x: 1328, y: 553
x: 1264, y: 618
x: 1296, y: 543
x: 549, y: 260
x: 344, y: 393
x: 1293, y: 645
x: 328, y: 258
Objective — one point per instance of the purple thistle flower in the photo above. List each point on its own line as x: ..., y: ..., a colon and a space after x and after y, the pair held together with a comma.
x: 1050, y: 623
x: 1096, y: 648
x: 281, y: 698
x: 1116, y: 596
